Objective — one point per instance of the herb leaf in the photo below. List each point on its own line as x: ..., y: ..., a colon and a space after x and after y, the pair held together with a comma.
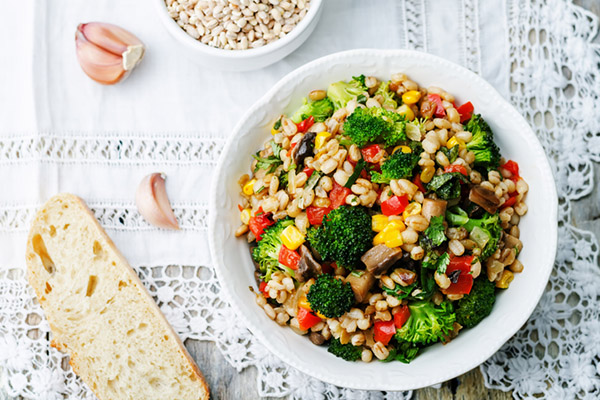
x: 447, y: 186
x: 434, y: 235
x: 360, y: 166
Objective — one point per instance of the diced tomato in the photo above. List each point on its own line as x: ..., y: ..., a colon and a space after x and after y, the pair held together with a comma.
x: 263, y: 288
x: 437, y: 100
x: 316, y: 214
x: 384, y: 331
x: 417, y: 181
x: 372, y: 154
x: 401, y: 316
x: 289, y: 258
x: 308, y: 171
x: 394, y: 205
x: 465, y: 280
x: 259, y: 223
x: 304, y: 125
x: 306, y: 319
x: 510, y: 202
x: 338, y: 195
x: 456, y: 168
x: 465, y: 111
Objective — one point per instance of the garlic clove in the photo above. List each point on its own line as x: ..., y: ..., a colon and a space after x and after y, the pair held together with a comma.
x: 153, y: 203
x: 106, y: 52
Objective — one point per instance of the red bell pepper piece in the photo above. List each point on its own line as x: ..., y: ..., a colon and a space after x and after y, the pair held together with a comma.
x: 437, y: 100
x: 456, y: 168
x: 372, y: 154
x: 315, y: 214
x: 394, y: 205
x: 289, y: 258
x: 465, y: 280
x: 465, y: 111
x: 259, y: 223
x: 338, y: 195
x: 308, y: 171
x: 384, y: 331
x: 306, y: 319
x: 304, y: 125
x: 417, y: 181
x: 513, y: 168
x: 510, y: 202
x: 263, y: 288
x: 240, y: 207
x: 401, y: 316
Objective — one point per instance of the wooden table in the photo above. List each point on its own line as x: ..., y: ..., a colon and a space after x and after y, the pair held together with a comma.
x: 226, y: 383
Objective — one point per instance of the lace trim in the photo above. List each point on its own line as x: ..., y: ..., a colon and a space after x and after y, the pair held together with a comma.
x: 415, y: 27
x: 109, y: 147
x: 124, y: 217
x: 470, y: 15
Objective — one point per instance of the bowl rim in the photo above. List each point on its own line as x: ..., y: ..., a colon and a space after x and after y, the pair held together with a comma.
x: 547, y: 176
x: 272, y: 47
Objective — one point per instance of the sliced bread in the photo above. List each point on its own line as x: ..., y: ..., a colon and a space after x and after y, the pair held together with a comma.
x: 99, y: 312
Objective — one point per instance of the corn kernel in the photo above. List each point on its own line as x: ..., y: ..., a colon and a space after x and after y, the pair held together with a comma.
x: 249, y: 187
x: 404, y: 149
x: 393, y: 238
x: 291, y: 237
x: 379, y: 238
x: 320, y: 139
x: 453, y: 141
x: 394, y: 225
x: 406, y: 111
x: 245, y: 216
x: 505, y: 280
x: 411, y: 97
x: 427, y: 174
x: 413, y: 208
x: 378, y: 222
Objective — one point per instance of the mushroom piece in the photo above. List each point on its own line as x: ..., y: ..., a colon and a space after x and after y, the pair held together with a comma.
x: 379, y: 258
x: 307, y: 266
x: 304, y: 148
x: 405, y: 276
x: 511, y: 242
x: 360, y: 282
x: 485, y: 198
x: 433, y: 208
x: 316, y: 338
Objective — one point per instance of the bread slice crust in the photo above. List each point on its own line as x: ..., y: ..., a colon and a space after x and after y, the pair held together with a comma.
x: 99, y: 312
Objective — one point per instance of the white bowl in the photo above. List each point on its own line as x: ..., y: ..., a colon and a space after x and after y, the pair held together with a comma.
x: 437, y: 363
x: 241, y: 60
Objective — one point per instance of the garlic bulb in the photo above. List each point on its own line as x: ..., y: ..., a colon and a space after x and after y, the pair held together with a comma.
x: 106, y: 52
x: 153, y: 203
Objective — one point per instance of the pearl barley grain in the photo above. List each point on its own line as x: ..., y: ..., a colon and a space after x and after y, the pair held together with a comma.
x: 237, y: 24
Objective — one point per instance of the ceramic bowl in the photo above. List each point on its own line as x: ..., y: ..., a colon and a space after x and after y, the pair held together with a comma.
x: 240, y: 60
x: 437, y: 363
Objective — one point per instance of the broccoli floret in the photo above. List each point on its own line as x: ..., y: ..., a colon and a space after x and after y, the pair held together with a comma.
x: 340, y: 93
x: 330, y: 296
x: 375, y: 124
x: 478, y: 304
x: 389, y: 101
x: 320, y: 110
x: 399, y: 165
x: 428, y: 323
x: 266, y: 253
x: 404, y: 352
x: 344, y: 236
x: 487, y: 153
x: 486, y: 231
x: 346, y: 351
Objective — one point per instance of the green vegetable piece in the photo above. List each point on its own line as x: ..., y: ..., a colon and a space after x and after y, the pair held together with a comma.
x: 487, y: 153
x: 271, y: 162
x: 360, y: 166
x: 447, y: 186
x: 266, y: 253
x: 346, y: 351
x: 488, y: 230
x: 428, y: 323
x: 399, y: 291
x: 344, y: 236
x: 330, y: 296
x: 436, y: 262
x: 277, y: 124
x: 478, y: 304
x: 389, y: 101
x: 320, y: 110
x: 375, y: 124
x: 404, y: 352
x: 434, y: 235
x: 340, y: 93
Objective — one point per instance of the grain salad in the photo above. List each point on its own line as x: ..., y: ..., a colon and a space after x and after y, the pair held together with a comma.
x: 237, y: 24
x: 381, y: 218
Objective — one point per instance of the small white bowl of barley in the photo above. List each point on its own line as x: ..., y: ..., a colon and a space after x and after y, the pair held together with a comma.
x: 239, y: 35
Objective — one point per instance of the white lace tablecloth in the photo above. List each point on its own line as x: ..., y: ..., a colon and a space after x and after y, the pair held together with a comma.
x: 59, y: 131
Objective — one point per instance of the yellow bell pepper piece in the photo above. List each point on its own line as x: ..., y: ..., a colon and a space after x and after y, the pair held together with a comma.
x: 393, y: 238
x: 379, y: 238
x: 291, y: 237
x: 274, y: 132
x: 245, y: 216
x: 394, y: 225
x: 405, y: 110
x: 413, y: 208
x: 303, y: 302
x: 411, y: 97
x: 453, y: 141
x: 320, y: 139
x: 404, y: 149
x: 249, y: 187
x: 378, y: 222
